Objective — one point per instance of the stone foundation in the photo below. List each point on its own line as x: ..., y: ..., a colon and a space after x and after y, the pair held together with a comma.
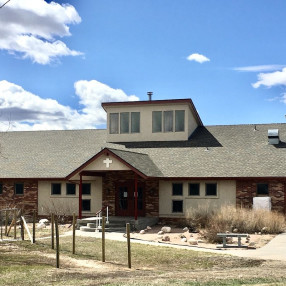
x: 28, y: 202
x: 246, y: 190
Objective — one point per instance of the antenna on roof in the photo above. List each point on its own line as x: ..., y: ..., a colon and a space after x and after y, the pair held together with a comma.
x: 150, y: 93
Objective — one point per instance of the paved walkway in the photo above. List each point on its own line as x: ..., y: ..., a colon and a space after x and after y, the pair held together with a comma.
x: 274, y: 250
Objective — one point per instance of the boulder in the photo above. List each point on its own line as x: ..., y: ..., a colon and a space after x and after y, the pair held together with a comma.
x: 166, y: 238
x: 149, y: 227
x: 142, y: 231
x: 166, y: 229
x: 193, y: 241
x: 185, y: 229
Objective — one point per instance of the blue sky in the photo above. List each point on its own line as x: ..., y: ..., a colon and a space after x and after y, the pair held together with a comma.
x: 60, y: 60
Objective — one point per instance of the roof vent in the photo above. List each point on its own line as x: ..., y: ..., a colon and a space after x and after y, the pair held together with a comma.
x: 149, y: 93
x: 273, y: 136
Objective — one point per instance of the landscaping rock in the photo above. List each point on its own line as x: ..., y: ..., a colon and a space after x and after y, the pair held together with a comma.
x: 184, y: 239
x: 185, y: 229
x: 166, y: 238
x: 44, y: 221
x: 142, y: 231
x: 265, y: 229
x: 235, y: 230
x: 160, y: 232
x: 166, y: 229
x: 193, y: 241
x: 149, y: 227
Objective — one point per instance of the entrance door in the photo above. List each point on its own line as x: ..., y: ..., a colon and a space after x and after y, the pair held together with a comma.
x: 125, y: 200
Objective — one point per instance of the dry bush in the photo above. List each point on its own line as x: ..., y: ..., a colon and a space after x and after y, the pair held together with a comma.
x: 243, y: 221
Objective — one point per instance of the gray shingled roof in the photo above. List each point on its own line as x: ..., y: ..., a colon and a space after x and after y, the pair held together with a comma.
x: 212, y: 151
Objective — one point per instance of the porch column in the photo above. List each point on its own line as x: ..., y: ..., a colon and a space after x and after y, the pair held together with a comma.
x: 136, y: 196
x: 80, y: 197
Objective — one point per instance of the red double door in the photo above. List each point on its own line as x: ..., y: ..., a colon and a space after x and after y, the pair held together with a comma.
x: 125, y: 199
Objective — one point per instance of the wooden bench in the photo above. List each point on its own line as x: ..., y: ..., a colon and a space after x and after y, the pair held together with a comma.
x: 226, y: 235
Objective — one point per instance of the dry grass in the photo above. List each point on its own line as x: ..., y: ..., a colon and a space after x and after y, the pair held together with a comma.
x: 238, y: 220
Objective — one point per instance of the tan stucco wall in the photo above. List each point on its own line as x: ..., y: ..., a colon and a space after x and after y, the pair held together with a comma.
x: 67, y: 204
x: 146, y: 124
x: 226, y: 191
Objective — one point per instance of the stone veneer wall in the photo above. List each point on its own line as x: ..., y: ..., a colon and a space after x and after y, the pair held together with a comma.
x: 246, y: 190
x: 151, y: 191
x: 28, y: 202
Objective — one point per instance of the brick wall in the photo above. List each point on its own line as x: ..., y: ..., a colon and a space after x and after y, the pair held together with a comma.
x: 246, y: 190
x: 28, y: 201
x: 151, y: 190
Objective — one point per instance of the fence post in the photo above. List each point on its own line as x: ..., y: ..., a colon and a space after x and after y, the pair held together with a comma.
x: 22, y: 226
x: 73, y: 233
x: 34, y: 226
x: 6, y: 222
x: 57, y: 243
x: 15, y: 224
x: 128, y: 244
x: 52, y: 230
x: 1, y: 217
x: 103, y: 238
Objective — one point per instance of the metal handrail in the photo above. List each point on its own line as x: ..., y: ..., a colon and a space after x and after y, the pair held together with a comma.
x: 99, y: 215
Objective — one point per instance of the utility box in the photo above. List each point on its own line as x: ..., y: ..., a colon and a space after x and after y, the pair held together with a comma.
x: 262, y: 203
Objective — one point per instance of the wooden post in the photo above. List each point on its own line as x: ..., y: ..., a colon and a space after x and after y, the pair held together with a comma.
x: 128, y: 244
x: 103, y: 238
x: 15, y: 224
x: 1, y: 225
x: 6, y: 222
x: 22, y: 227
x: 34, y: 226
x: 73, y: 233
x: 52, y: 230
x: 80, y: 197
x: 57, y: 243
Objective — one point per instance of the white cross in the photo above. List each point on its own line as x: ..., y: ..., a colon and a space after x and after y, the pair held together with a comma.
x: 107, y: 161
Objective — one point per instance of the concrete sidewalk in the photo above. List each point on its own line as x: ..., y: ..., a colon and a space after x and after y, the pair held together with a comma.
x: 274, y: 250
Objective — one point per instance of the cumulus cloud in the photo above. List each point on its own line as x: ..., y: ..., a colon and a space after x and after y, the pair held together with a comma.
x: 260, y: 68
x: 271, y: 79
x: 198, y: 58
x: 23, y: 110
x: 31, y: 28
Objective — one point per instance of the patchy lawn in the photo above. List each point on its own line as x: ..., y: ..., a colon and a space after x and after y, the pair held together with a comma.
x: 24, y: 264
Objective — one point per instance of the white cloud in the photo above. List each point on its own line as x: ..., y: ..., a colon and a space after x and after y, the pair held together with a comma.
x: 261, y: 68
x: 31, y: 28
x: 198, y: 58
x: 271, y: 79
x: 24, y: 110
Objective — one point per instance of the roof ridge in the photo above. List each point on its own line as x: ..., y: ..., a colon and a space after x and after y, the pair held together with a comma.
x: 127, y: 151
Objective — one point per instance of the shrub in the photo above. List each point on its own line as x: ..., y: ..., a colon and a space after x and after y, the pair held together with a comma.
x: 244, y: 221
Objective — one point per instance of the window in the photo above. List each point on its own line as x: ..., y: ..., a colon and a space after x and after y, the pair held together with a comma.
x: 168, y: 121
x: 124, y: 122
x: 113, y: 123
x: 71, y: 189
x: 19, y: 189
x: 86, y: 205
x: 86, y: 187
x: 135, y: 122
x: 177, y: 189
x: 177, y: 206
x: 1, y: 188
x: 156, y: 121
x: 56, y: 188
x: 179, y: 120
x: 211, y: 189
x: 194, y: 189
x: 262, y: 189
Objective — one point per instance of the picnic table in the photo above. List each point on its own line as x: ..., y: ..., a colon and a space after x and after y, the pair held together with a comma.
x: 237, y: 235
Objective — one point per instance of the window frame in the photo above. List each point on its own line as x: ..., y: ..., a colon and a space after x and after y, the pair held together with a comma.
x: 199, y: 190
x: 16, y: 191
x: 52, y: 189
x: 182, y: 206
x: 70, y: 184
x: 124, y: 116
x: 82, y: 190
x: 133, y: 120
x: 181, y: 191
x: 166, y: 122
x: 82, y: 204
x: 159, y: 124
x: 177, y: 112
x: 114, y: 116
x: 206, y: 189
x: 262, y: 194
